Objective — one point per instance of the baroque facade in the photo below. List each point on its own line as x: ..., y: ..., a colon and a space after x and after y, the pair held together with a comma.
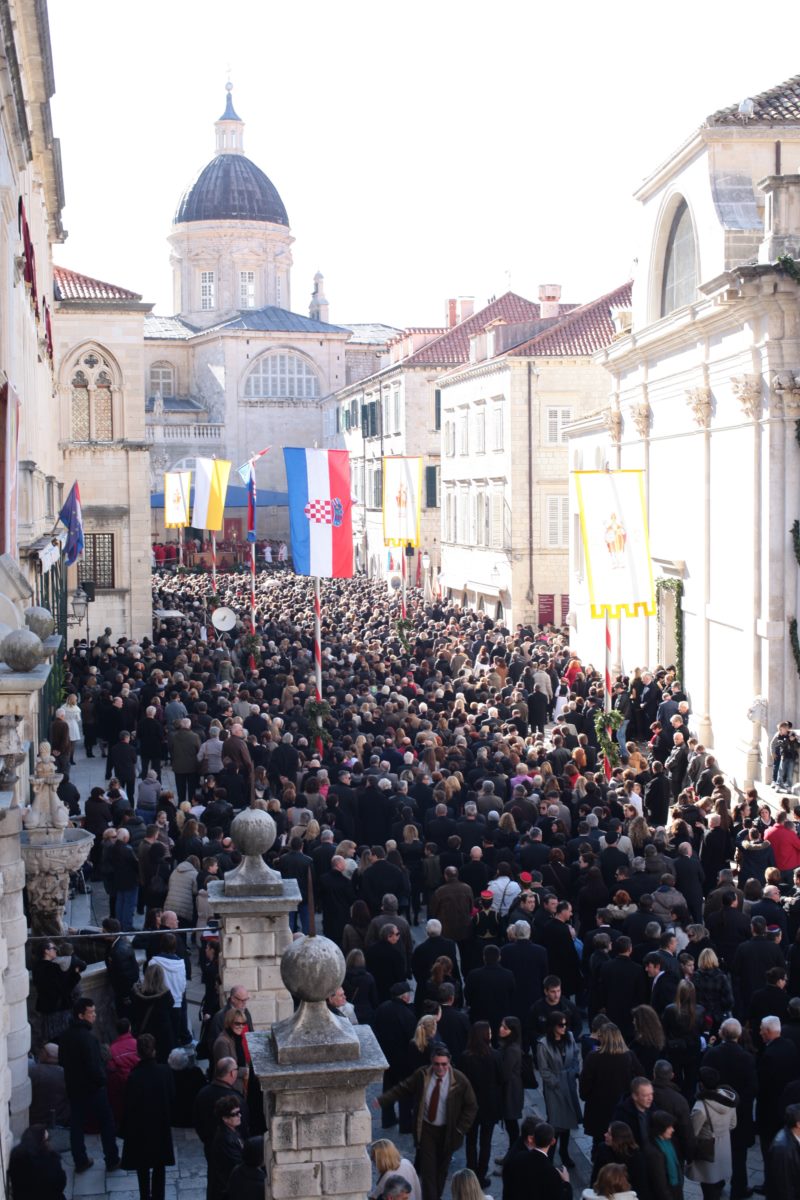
x: 703, y: 394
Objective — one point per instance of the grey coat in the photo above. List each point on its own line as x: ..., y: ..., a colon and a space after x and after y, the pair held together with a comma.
x: 511, y: 1071
x: 718, y: 1111
x: 560, y: 1082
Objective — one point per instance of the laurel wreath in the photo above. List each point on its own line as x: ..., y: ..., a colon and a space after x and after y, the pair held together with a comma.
x: 251, y: 644
x: 318, y: 712
x: 403, y: 627
x: 603, y: 722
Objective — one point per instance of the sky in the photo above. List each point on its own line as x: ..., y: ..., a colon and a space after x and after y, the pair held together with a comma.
x: 423, y: 150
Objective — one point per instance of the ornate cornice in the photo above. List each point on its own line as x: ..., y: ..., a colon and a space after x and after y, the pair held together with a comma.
x: 747, y: 390
x: 700, y: 402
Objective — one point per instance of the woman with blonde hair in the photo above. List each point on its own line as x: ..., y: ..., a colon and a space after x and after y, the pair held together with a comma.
x: 465, y: 1185
x: 606, y: 1075
x: 713, y: 987
x: 388, y: 1161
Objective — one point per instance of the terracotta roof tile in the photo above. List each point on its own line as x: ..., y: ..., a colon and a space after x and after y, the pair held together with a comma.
x: 452, y: 347
x: 71, y: 285
x: 583, y: 331
x: 779, y: 105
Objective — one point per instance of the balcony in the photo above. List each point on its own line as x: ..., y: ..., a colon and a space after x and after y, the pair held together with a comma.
x: 188, y: 433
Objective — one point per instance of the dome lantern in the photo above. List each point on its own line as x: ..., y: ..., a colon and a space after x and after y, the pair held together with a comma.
x: 229, y: 128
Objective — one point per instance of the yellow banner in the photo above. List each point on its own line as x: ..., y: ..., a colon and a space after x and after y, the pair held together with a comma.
x: 402, y: 500
x: 616, y: 543
x: 210, y: 488
x: 177, y: 489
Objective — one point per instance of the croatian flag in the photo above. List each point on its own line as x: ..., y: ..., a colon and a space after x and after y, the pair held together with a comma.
x: 72, y: 517
x: 251, y: 504
x: 320, y: 512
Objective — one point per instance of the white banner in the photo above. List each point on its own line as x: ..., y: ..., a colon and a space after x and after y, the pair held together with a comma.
x: 616, y: 543
x: 402, y: 501
x: 177, y: 488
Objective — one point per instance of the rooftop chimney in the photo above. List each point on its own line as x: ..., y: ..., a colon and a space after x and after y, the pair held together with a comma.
x: 549, y: 298
x: 465, y: 307
x: 451, y: 313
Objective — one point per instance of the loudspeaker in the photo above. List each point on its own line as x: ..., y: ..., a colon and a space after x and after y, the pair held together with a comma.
x: 87, y: 586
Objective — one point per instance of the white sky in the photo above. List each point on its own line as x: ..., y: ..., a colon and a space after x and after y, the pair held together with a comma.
x: 423, y: 149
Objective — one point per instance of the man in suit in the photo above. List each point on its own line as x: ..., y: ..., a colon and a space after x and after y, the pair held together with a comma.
x: 663, y: 984
x: 394, y: 1023
x: 562, y: 957
x: 489, y: 990
x: 623, y: 985
x: 527, y: 962
x: 736, y: 1068
x: 527, y: 1168
x: 337, y: 895
x: 425, y: 954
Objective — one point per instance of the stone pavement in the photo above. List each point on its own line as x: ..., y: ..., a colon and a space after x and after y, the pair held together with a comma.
x: 187, y: 1179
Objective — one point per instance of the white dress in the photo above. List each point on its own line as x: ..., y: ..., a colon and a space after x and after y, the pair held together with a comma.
x: 72, y: 715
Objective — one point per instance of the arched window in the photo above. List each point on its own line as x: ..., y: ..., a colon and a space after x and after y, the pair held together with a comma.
x: 91, y: 398
x: 679, y: 282
x: 282, y: 377
x: 162, y: 379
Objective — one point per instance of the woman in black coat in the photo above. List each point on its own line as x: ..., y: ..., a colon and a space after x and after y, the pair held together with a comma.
x: 481, y: 1065
x: 359, y: 987
x: 620, y: 1146
x: 227, y: 1146
x: 151, y: 1010
x: 606, y: 1075
x: 54, y: 988
x: 34, y: 1170
x: 147, y: 1119
x: 513, y: 1094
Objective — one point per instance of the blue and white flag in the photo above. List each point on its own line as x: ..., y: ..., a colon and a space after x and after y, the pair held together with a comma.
x: 72, y: 517
x: 320, y: 512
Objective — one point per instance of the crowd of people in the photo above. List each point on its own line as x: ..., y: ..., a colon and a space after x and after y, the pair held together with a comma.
x: 612, y: 943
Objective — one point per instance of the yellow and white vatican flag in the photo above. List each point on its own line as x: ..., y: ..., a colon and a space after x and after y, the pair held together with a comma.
x: 402, y: 500
x: 177, y: 489
x: 210, y: 487
x: 616, y: 544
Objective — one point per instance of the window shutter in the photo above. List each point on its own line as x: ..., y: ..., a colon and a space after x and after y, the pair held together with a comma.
x: 563, y: 531
x: 552, y: 520
x: 552, y: 426
x: 496, y: 501
x: 431, y: 500
x: 437, y: 408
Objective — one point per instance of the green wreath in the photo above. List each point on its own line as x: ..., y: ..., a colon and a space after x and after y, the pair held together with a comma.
x: 403, y: 628
x: 251, y: 644
x: 318, y: 712
x: 604, y: 721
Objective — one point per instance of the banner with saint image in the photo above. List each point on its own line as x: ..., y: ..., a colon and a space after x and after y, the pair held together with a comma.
x: 402, y: 500
x: 616, y: 543
x: 177, y: 488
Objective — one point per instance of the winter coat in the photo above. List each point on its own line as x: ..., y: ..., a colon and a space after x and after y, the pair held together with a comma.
x: 79, y: 1055
x: 182, y: 891
x: 716, y: 1109
x: 359, y: 987
x: 36, y: 1176
x: 147, y: 796
x: 714, y: 992
x: 153, y: 1014
x: 146, y: 1124
x: 513, y: 1096
x: 185, y: 744
x: 559, y: 1081
x: 665, y: 899
x: 753, y: 859
x: 72, y: 716
x: 462, y: 1107
x: 122, y: 1058
x: 209, y: 756
x: 603, y: 1080
x: 484, y: 1073
x: 452, y: 905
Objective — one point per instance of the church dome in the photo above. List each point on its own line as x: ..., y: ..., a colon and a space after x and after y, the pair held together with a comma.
x: 232, y: 188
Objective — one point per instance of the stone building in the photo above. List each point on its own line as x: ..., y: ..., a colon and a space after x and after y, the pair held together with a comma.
x: 235, y: 369
x: 526, y: 372
x: 703, y: 394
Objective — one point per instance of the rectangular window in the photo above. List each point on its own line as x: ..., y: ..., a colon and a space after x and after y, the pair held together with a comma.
x: 207, y: 291
x: 396, y: 408
x: 496, y: 519
x: 557, y: 515
x: 437, y: 409
x: 463, y: 434
x: 449, y: 439
x: 431, y: 487
x: 498, y: 421
x: 480, y: 431
x: 97, y: 563
x: 556, y: 419
x: 247, y: 289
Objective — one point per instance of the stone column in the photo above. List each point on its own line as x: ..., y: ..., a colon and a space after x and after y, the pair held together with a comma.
x: 253, y: 904
x: 314, y: 1069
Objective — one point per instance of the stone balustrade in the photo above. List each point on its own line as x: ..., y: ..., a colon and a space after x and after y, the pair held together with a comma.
x: 188, y: 432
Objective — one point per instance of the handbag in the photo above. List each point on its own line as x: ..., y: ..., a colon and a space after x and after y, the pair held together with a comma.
x: 705, y: 1145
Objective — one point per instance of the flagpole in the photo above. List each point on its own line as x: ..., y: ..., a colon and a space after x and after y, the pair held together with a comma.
x: 180, y: 546
x: 253, y: 588
x: 214, y: 561
x: 403, y: 575
x: 607, y: 697
x: 318, y: 654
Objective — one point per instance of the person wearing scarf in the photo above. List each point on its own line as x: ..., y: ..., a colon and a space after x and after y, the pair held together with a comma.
x: 664, y: 1168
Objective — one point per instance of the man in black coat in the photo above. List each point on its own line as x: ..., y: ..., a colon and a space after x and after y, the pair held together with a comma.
x: 562, y: 957
x: 782, y: 1177
x: 85, y: 1082
x: 122, y: 760
x: 453, y: 1028
x: 205, y: 1124
x: 663, y: 984
x: 386, y: 961
x: 717, y: 850
x: 425, y: 954
x: 527, y: 962
x: 380, y: 878
x: 440, y: 827
x: 528, y: 1170
x: 736, y: 1067
x: 337, y: 896
x: 752, y: 961
x: 121, y: 965
x: 296, y: 865
x: 393, y: 1024
x: 623, y: 985
x: 657, y: 796
x: 489, y: 990
x: 690, y: 879
x: 777, y: 1066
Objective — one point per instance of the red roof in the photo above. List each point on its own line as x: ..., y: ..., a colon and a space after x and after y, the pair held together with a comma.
x: 70, y: 285
x: 452, y: 347
x: 583, y: 331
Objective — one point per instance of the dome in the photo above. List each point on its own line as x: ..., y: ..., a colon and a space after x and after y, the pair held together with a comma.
x: 232, y: 188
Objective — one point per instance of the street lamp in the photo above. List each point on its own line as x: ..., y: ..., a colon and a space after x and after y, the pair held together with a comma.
x: 79, y: 603
x: 426, y: 578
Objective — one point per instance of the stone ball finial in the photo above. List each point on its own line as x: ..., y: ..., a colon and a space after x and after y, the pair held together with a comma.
x: 312, y: 968
x: 253, y: 831
x: 40, y: 621
x: 22, y: 650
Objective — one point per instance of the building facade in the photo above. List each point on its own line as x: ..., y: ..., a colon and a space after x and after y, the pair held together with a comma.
x: 703, y: 395
x: 505, y: 527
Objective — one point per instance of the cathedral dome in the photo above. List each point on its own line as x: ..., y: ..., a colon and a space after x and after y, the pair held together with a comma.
x: 232, y: 188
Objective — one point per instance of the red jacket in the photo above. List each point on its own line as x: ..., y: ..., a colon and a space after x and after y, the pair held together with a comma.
x: 123, y: 1057
x: 785, y: 846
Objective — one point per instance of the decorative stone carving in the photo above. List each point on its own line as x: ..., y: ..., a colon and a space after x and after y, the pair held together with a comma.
x: 747, y: 390
x: 12, y: 753
x: 50, y: 850
x: 40, y: 621
x: 700, y: 402
x: 786, y: 390
x: 253, y: 832
x: 311, y: 969
x: 641, y: 414
x: 612, y: 419
x: 22, y: 650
